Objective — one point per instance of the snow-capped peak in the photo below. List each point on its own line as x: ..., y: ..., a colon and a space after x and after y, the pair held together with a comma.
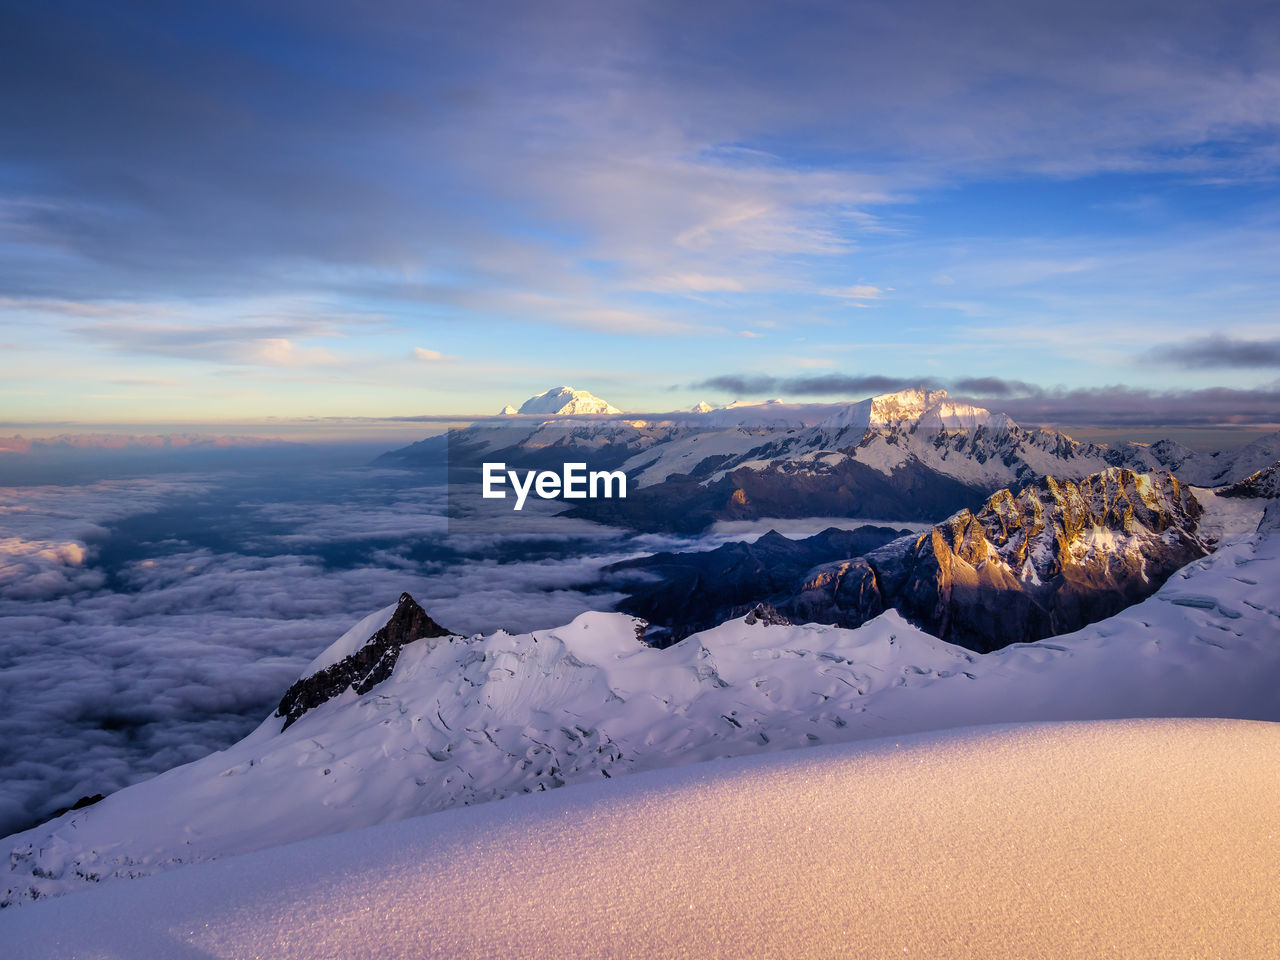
x: 507, y: 411
x: 562, y: 400
x: 701, y: 407
x: 930, y: 409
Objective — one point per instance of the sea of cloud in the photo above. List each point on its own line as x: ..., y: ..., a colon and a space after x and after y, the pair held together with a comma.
x: 145, y: 622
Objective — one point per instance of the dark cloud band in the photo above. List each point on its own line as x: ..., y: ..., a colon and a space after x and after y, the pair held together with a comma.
x: 1216, y: 352
x: 1029, y: 403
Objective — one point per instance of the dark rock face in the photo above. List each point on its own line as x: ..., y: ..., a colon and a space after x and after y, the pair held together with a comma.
x: 364, y: 669
x: 765, y: 614
x: 1048, y: 560
x: 845, y: 592
x: 696, y: 591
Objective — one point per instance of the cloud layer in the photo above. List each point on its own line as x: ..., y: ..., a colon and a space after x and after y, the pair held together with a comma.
x: 1028, y: 403
x: 1218, y: 352
x: 144, y: 623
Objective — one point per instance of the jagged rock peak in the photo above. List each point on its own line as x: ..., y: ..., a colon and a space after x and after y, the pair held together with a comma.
x: 1264, y: 484
x: 566, y: 400
x: 766, y: 615
x: 362, y: 668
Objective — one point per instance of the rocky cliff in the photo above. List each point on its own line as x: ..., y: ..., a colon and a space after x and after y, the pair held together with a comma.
x: 1047, y: 560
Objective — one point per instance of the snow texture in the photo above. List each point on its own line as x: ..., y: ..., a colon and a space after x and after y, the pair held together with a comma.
x: 1135, y: 839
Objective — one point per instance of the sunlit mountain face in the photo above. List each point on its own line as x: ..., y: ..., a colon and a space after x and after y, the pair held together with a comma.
x: 415, y: 408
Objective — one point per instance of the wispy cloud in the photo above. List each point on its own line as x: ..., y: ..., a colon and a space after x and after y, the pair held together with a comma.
x: 858, y: 291
x: 272, y: 345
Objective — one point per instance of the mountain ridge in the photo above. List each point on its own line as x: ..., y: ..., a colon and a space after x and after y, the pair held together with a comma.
x: 1049, y: 559
x: 463, y: 720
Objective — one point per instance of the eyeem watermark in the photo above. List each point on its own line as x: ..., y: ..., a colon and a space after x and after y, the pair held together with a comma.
x: 573, y: 482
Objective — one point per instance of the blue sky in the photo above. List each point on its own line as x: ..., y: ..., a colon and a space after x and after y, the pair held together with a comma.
x: 240, y: 211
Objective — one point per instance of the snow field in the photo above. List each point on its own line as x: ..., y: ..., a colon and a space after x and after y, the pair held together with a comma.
x: 1135, y: 839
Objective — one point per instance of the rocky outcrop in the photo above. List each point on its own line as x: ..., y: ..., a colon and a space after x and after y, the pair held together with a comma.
x: 1264, y: 484
x: 1047, y: 560
x: 368, y: 666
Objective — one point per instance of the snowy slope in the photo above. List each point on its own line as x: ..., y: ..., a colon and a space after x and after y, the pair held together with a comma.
x: 1137, y: 839
x: 467, y: 720
x: 1235, y: 465
x: 1205, y: 469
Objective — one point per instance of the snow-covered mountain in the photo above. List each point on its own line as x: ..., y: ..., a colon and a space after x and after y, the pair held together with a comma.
x: 915, y: 455
x: 462, y: 720
x: 888, y: 433
x: 1231, y: 466
x: 566, y: 401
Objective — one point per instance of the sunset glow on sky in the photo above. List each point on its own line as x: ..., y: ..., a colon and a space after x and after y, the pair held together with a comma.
x: 245, y: 210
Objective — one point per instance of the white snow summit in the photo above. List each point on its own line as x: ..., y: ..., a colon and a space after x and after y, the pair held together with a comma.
x: 565, y: 401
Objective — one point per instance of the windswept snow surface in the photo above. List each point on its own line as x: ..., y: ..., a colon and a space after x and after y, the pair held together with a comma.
x: 467, y: 720
x: 1136, y: 839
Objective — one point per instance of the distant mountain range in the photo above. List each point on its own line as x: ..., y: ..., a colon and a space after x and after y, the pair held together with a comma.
x: 915, y: 455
